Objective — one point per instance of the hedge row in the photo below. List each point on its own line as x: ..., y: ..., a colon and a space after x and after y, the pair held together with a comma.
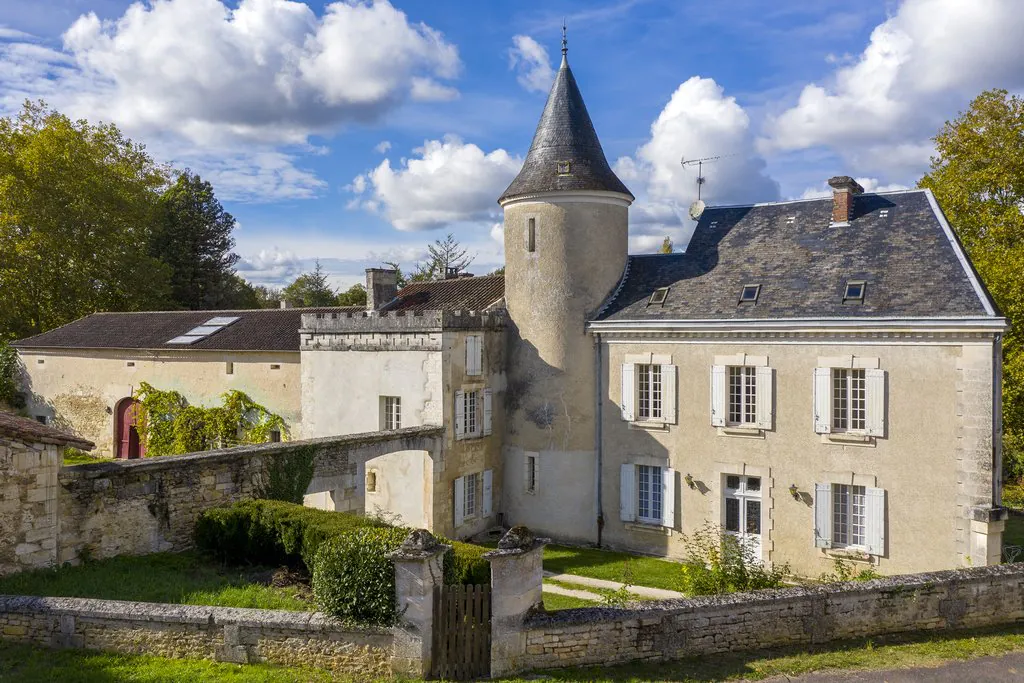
x: 346, y: 555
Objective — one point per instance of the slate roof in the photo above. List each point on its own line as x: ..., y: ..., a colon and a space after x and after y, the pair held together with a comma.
x: 270, y: 329
x: 565, y: 133
x: 31, y: 431
x: 456, y: 294
x: 895, y: 243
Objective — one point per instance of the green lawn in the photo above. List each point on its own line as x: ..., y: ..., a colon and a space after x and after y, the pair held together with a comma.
x: 73, y: 456
x: 610, y: 565
x: 180, y: 578
x: 553, y: 602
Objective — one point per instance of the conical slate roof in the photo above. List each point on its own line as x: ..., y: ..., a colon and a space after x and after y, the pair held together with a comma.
x: 565, y: 134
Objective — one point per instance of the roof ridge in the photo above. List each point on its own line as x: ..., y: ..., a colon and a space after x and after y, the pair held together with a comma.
x: 803, y: 200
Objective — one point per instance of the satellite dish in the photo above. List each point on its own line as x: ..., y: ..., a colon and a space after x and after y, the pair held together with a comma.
x: 696, y: 209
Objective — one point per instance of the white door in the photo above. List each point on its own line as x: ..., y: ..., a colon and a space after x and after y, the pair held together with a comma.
x: 742, y: 512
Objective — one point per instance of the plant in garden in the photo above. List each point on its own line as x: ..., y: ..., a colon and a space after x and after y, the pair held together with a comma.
x: 843, y: 570
x: 9, y: 367
x: 718, y: 562
x: 620, y: 596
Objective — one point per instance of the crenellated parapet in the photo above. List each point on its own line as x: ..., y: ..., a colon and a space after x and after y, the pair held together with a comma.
x: 417, y: 330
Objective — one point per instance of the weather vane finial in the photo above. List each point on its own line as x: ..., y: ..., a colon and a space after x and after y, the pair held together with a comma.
x: 565, y: 43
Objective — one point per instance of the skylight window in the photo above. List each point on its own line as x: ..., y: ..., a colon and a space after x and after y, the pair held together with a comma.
x: 659, y: 296
x: 749, y: 294
x: 211, y: 326
x: 790, y: 220
x: 884, y: 213
x: 854, y: 291
x: 186, y: 339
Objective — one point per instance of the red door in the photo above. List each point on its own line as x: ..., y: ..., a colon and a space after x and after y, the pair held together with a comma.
x: 128, y: 443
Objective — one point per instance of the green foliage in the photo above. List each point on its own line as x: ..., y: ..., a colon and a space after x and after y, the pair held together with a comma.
x: 442, y: 255
x: 353, y: 577
x: 718, y: 562
x: 1013, y: 496
x: 168, y: 425
x: 467, y: 565
x: 666, y: 246
x: 193, y: 237
x: 10, y: 369
x: 844, y: 570
x: 310, y: 290
x: 353, y: 296
x: 621, y: 595
x: 288, y: 475
x: 978, y: 178
x: 78, y: 203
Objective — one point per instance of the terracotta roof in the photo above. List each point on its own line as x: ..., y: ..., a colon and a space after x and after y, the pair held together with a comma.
x: 456, y: 294
x: 896, y: 243
x: 269, y: 329
x: 31, y: 431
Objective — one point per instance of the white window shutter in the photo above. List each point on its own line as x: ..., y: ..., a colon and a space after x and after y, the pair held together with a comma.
x: 823, y: 515
x: 823, y: 400
x: 487, y: 411
x: 875, y: 389
x: 488, y: 498
x: 628, y: 392
x: 478, y: 354
x: 765, y: 408
x: 874, y: 520
x: 668, y: 497
x: 668, y: 394
x: 460, y: 501
x: 460, y: 414
x: 717, y: 395
x: 627, y: 493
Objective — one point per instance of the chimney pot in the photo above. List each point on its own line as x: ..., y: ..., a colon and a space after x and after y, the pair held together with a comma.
x: 843, y: 189
x: 381, y: 287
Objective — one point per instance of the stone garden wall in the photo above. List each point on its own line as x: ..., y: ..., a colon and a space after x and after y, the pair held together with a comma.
x: 28, y: 504
x: 220, y: 633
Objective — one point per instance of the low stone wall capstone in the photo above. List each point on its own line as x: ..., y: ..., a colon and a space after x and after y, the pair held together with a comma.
x: 673, y: 629
x: 220, y: 633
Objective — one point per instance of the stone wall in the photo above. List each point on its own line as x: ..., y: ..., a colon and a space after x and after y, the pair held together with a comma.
x: 220, y: 633
x: 672, y: 629
x: 28, y: 505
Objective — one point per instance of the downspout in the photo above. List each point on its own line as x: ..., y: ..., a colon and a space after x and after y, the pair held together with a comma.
x: 598, y: 419
x: 997, y: 421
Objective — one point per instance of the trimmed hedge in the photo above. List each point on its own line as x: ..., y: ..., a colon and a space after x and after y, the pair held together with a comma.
x: 353, y: 577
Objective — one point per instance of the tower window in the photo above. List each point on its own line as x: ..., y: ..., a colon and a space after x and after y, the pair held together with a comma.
x: 564, y: 167
x: 531, y: 235
x: 749, y: 294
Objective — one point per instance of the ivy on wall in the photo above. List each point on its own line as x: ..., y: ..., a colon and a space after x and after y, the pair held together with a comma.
x: 288, y: 475
x: 168, y: 425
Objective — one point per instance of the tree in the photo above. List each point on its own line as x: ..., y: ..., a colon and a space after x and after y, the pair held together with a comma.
x: 193, y: 237
x: 353, y: 296
x: 666, y: 246
x: 978, y: 178
x: 310, y: 290
x: 78, y: 203
x: 268, y: 297
x: 442, y: 255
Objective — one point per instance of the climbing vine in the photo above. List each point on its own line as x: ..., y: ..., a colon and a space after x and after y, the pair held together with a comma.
x: 288, y: 475
x: 168, y: 425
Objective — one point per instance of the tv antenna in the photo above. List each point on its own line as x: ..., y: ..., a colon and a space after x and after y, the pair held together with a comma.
x: 697, y: 208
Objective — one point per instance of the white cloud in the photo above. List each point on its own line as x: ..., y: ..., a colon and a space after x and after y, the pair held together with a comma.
x: 382, y: 148
x: 698, y: 121
x: 450, y: 181
x: 8, y: 33
x: 532, y: 64
x: 925, y: 61
x: 270, y: 266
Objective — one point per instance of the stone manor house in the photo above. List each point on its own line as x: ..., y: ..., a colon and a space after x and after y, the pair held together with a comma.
x: 819, y: 377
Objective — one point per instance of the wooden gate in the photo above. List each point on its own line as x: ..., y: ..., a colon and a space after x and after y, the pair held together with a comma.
x: 462, y: 633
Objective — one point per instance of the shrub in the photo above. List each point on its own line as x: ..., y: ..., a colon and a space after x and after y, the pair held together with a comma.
x: 844, y: 570
x: 353, y: 577
x: 1013, y: 496
x: 464, y: 563
x: 717, y: 562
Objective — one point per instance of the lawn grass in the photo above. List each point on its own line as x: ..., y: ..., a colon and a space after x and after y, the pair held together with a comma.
x: 893, y: 653
x: 554, y: 602
x: 73, y: 456
x: 180, y: 578
x: 611, y: 566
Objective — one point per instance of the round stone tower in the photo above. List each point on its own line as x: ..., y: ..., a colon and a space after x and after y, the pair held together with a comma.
x: 566, y: 230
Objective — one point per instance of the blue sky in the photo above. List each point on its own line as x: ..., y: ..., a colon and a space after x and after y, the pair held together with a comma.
x: 358, y: 132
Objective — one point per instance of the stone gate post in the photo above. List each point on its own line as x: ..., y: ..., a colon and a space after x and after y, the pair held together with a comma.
x: 418, y: 569
x: 517, y: 577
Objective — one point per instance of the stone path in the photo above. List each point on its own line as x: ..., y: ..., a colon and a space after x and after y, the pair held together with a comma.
x: 981, y: 670
x: 642, y: 591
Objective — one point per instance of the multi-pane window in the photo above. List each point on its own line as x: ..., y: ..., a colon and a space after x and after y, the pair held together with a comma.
x: 742, y: 395
x: 469, y: 504
x: 649, y: 490
x: 469, y: 412
x: 649, y: 392
x: 392, y: 412
x: 849, y: 399
x: 848, y: 515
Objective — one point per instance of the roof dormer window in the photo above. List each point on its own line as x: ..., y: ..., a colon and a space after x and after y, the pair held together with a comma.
x: 749, y: 294
x: 563, y: 167
x: 854, y: 291
x: 659, y: 296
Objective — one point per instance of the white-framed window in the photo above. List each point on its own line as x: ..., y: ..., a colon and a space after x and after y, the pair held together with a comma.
x: 741, y: 500
x: 647, y: 494
x: 472, y: 481
x: 648, y: 392
x: 849, y: 400
x: 474, y: 354
x: 469, y: 416
x: 392, y: 412
x: 741, y: 396
x: 530, y: 472
x: 473, y: 496
x: 849, y: 516
x: 473, y: 413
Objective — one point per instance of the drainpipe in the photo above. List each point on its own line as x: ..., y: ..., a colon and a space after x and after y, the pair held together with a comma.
x: 598, y: 404
x: 997, y: 421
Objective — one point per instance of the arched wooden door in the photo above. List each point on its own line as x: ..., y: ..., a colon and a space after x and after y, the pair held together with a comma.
x: 127, y: 440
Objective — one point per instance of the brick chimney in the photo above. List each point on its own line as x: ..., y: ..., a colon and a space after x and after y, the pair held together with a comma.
x: 843, y: 189
x: 381, y: 287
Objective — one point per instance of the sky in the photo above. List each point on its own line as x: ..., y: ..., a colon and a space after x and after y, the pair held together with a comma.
x: 358, y: 132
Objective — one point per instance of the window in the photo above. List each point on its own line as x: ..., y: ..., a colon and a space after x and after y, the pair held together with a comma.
x: 658, y: 297
x: 473, y: 413
x: 849, y: 400
x: 130, y: 364
x: 469, y: 506
x: 530, y: 480
x: 648, y: 389
x: 473, y: 496
x: 849, y: 516
x: 649, y: 494
x: 40, y: 361
x: 531, y: 235
x: 275, y: 366
x: 474, y: 354
x: 229, y: 368
x: 790, y: 220
x: 371, y: 481
x: 275, y: 436
x: 854, y: 291
x: 742, y: 395
x: 749, y: 294
x: 41, y: 419
x: 392, y: 406
x: 742, y: 510
x: 469, y: 412
x: 564, y: 168
x: 649, y: 397
x: 884, y: 213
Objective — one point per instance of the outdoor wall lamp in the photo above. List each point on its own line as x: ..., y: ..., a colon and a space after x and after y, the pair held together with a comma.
x: 689, y: 480
x: 794, y: 491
